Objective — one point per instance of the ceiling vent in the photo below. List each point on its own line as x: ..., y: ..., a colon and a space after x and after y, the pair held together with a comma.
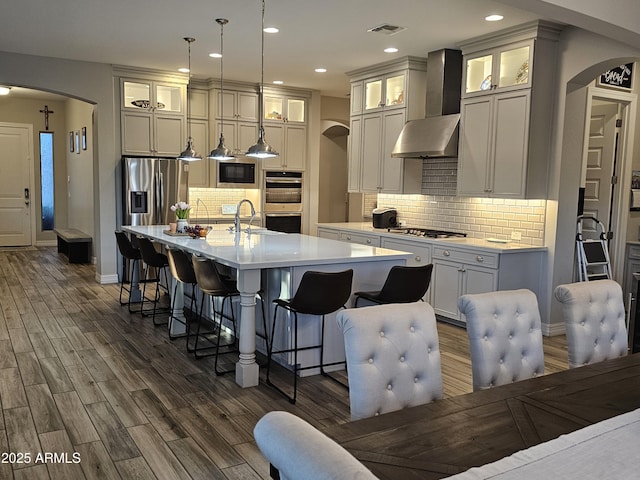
x: 387, y: 29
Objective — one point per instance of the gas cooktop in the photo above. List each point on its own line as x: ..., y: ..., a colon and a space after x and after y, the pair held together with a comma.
x: 425, y: 232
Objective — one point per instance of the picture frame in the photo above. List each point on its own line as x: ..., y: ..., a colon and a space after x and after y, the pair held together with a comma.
x: 72, y: 142
x: 84, y: 138
x: 78, y: 141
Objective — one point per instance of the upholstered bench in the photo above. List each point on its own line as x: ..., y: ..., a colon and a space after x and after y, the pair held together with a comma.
x: 75, y: 244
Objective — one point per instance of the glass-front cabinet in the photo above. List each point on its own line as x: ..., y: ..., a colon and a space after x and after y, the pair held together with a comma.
x: 278, y: 108
x: 499, y: 69
x: 152, y: 96
x: 384, y: 92
x: 152, y: 116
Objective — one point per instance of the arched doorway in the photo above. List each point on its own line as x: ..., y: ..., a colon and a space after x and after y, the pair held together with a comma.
x: 568, y: 176
x: 60, y: 194
x: 333, y: 200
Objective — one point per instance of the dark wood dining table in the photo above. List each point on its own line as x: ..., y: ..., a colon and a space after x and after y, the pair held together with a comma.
x: 449, y: 436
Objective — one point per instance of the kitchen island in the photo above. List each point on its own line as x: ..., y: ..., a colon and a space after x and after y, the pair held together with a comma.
x: 280, y: 260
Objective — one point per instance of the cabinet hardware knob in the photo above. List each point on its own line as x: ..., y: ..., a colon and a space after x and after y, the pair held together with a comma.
x: 480, y: 258
x: 461, y: 270
x: 348, y: 237
x: 446, y: 253
x: 418, y: 258
x: 368, y: 240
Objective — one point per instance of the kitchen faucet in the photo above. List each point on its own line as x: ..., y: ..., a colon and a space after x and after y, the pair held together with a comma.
x: 236, y: 222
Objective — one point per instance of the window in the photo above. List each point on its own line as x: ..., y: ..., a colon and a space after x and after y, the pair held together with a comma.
x: 46, y: 179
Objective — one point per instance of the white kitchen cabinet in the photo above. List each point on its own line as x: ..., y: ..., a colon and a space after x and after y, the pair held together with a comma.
x: 152, y: 117
x: 361, y: 238
x: 450, y: 280
x: 198, y: 103
x: 279, y: 108
x: 236, y: 105
x: 200, y: 172
x: 290, y: 141
x: 355, y: 158
x: 379, y: 171
x: 504, y: 128
x: 357, y: 96
x: 238, y: 136
x: 421, y: 255
x: 384, y: 92
x: 328, y: 233
x: 493, y: 147
x: 383, y: 98
x: 507, y: 67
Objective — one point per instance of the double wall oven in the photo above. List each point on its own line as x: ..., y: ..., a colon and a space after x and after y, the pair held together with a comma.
x: 283, y: 201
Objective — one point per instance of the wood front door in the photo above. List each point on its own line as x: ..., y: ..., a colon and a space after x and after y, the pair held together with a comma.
x: 16, y: 158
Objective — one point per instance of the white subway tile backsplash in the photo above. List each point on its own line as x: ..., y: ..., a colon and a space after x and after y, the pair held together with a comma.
x: 478, y: 217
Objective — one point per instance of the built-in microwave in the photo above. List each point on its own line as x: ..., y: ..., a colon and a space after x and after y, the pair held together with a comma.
x: 237, y: 173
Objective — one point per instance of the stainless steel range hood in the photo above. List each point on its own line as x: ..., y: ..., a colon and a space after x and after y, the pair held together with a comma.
x: 437, y: 134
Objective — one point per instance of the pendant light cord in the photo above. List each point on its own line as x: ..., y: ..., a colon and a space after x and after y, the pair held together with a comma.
x: 189, y: 41
x: 261, y: 111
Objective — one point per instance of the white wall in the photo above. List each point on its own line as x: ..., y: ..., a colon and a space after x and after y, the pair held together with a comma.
x: 581, y: 57
x: 79, y: 178
x: 92, y: 82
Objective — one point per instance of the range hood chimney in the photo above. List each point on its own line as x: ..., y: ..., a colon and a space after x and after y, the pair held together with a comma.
x: 437, y: 134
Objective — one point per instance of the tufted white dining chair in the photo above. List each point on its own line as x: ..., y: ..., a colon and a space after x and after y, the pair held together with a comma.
x: 297, y: 450
x: 393, y: 357
x: 505, y: 336
x: 594, y: 317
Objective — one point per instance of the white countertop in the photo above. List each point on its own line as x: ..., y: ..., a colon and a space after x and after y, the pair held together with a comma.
x: 366, y: 227
x: 268, y: 249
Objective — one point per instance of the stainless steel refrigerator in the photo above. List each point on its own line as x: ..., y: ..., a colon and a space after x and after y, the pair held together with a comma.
x: 150, y: 185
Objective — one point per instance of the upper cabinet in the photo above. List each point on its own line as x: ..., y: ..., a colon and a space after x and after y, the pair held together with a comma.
x: 153, y: 96
x: 236, y: 105
x: 284, y: 108
x: 504, y: 68
x: 152, y: 116
x: 506, y: 111
x: 386, y: 91
x: 285, y: 128
x: 383, y: 98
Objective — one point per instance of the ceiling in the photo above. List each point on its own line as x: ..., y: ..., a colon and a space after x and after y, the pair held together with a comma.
x: 313, y: 33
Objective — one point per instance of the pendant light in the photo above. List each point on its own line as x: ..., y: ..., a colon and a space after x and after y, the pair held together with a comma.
x: 261, y: 149
x: 189, y: 154
x: 221, y: 152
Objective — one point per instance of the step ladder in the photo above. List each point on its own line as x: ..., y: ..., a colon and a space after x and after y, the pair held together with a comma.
x: 592, y: 253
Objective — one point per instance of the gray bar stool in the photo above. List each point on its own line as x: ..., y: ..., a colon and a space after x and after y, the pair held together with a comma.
x: 130, y: 258
x: 212, y: 283
x: 404, y: 284
x: 319, y: 293
x: 158, y: 262
x: 182, y: 270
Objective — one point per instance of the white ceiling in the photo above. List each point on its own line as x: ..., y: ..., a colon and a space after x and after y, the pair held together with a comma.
x: 313, y: 33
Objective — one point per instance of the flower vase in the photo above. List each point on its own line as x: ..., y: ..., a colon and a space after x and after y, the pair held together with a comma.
x: 182, y: 224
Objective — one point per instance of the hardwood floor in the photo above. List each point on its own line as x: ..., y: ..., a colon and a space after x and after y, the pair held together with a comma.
x: 78, y: 373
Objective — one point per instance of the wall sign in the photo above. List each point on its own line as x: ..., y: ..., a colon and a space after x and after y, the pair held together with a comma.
x: 618, y: 77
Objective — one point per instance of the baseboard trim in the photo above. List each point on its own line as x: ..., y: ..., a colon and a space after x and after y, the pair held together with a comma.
x: 553, y: 329
x: 106, y: 279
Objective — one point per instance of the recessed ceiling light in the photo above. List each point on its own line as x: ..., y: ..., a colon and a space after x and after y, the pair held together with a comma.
x: 320, y: 70
x: 183, y: 70
x: 390, y: 50
x: 5, y: 90
x: 493, y: 18
x: 271, y: 30
x: 215, y: 55
x: 278, y: 82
